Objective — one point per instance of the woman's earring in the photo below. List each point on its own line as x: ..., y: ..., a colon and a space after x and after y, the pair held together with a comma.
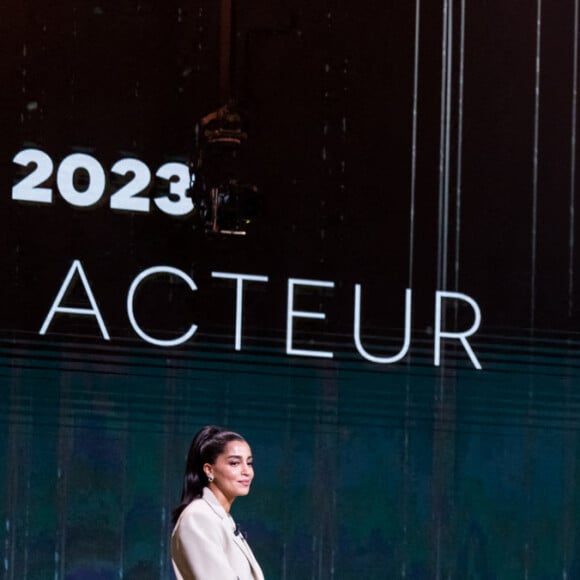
x: 209, y: 477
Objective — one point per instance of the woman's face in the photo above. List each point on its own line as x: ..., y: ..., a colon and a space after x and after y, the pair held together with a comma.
x: 232, y: 471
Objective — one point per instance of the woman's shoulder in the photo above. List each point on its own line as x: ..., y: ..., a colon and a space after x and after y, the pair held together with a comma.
x: 198, y: 507
x: 198, y: 520
x: 203, y: 507
x: 196, y: 514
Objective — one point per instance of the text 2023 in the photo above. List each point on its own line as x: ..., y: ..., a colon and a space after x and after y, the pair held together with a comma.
x: 131, y: 196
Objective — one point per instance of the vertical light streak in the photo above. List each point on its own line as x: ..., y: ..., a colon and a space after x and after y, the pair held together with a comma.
x: 535, y: 165
x: 65, y: 443
x: 26, y: 555
x: 15, y: 448
x: 447, y: 145
x: 414, y: 142
x: 459, y: 145
x: 444, y: 145
x: 168, y: 444
x: 569, y: 520
x: 124, y: 491
x: 530, y: 454
x: 440, y: 247
x: 406, y: 455
x: 573, y: 164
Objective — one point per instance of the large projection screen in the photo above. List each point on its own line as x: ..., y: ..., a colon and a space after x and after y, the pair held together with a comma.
x: 382, y: 294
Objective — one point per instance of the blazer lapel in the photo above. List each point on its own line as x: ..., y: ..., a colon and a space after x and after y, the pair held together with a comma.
x: 238, y: 539
x: 245, y: 548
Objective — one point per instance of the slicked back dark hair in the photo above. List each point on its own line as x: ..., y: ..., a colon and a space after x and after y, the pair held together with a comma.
x: 207, y: 444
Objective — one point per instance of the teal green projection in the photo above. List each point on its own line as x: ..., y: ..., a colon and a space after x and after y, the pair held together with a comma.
x: 386, y: 472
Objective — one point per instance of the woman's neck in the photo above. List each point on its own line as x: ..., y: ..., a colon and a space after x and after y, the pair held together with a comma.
x: 224, y: 501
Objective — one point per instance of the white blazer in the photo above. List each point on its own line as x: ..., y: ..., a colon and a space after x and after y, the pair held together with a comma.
x: 205, y: 547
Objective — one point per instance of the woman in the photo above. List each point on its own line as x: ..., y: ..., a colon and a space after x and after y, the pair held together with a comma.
x: 206, y: 544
